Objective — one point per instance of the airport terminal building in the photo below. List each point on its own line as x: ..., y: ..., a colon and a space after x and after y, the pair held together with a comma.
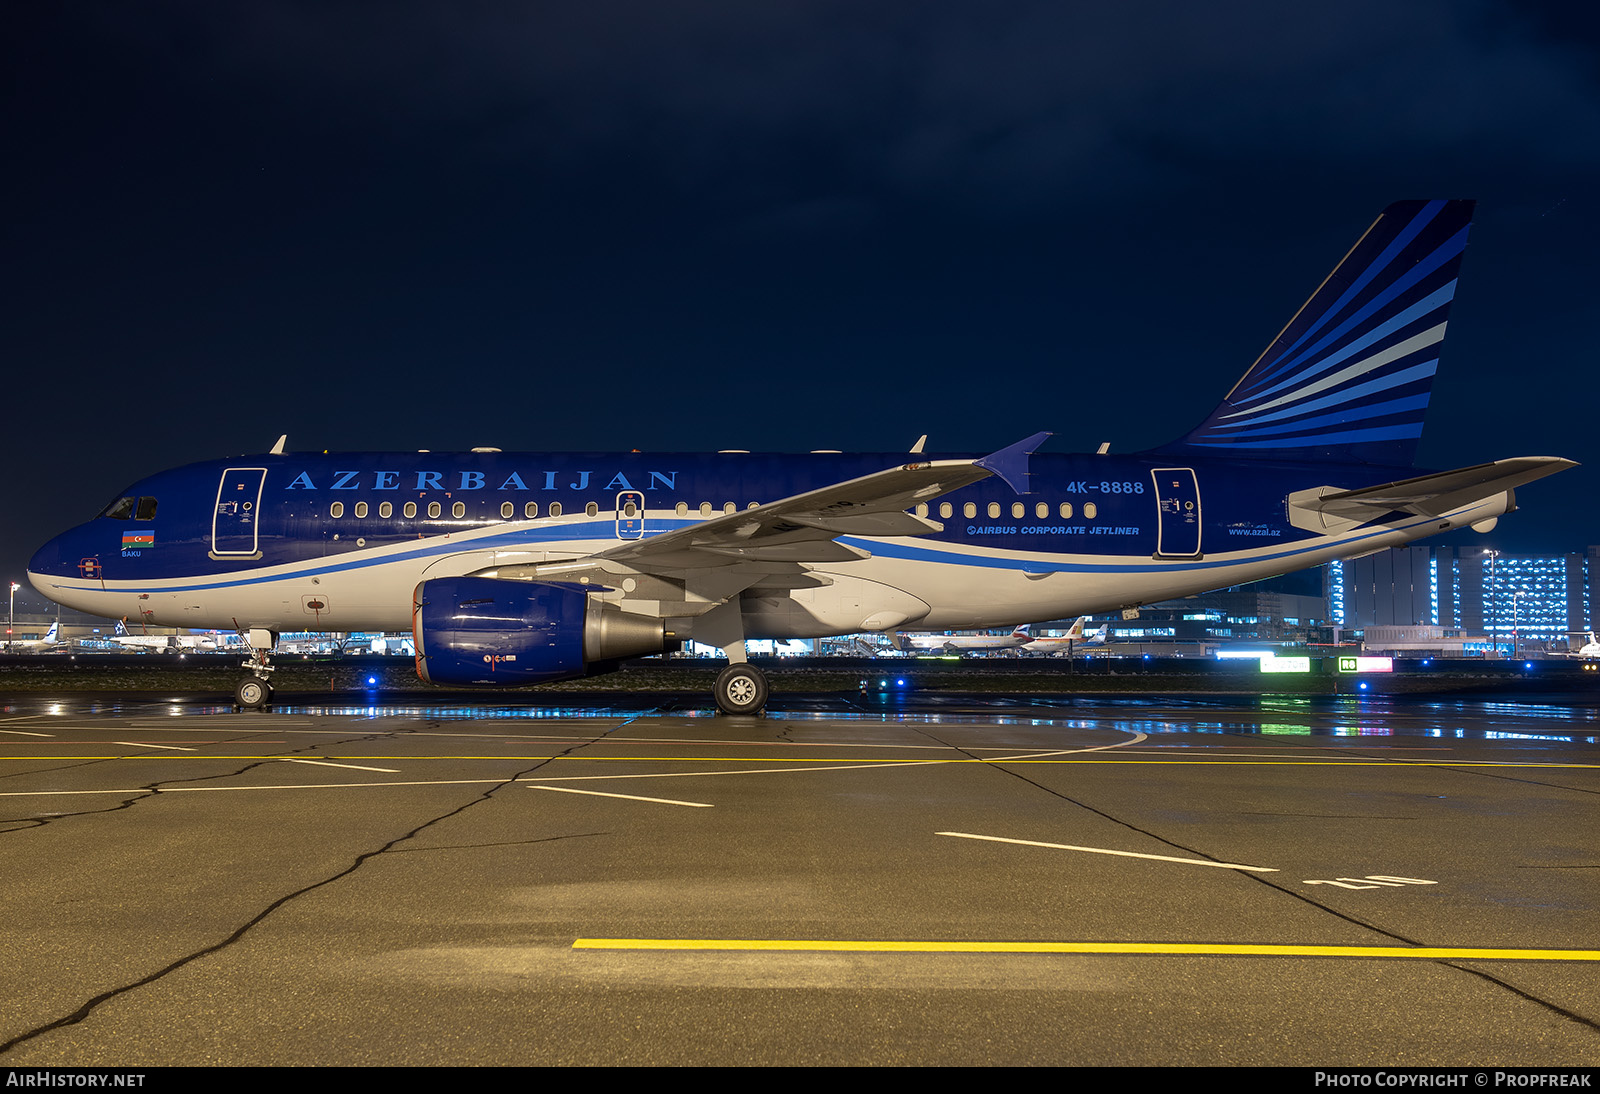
x: 1409, y: 601
x: 1532, y: 602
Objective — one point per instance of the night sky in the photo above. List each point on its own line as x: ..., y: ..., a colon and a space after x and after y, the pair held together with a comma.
x: 763, y: 225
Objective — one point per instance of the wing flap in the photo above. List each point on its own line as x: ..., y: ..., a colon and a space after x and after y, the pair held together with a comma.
x: 895, y: 522
x: 826, y: 550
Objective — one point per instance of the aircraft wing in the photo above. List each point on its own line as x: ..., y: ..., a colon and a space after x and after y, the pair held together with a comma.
x: 804, y: 527
x: 1331, y: 509
x: 690, y: 570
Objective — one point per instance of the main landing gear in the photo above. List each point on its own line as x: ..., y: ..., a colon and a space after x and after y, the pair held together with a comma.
x: 255, y: 690
x: 740, y: 689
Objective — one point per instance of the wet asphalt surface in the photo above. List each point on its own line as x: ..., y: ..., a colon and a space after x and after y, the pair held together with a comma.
x: 961, y: 879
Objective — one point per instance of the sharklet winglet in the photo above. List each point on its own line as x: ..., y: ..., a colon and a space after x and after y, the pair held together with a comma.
x: 1010, y: 464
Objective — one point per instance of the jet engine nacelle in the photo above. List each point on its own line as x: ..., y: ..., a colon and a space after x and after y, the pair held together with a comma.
x: 482, y: 630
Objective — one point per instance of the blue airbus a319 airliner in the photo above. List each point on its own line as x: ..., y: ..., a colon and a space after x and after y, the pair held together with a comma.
x: 516, y: 569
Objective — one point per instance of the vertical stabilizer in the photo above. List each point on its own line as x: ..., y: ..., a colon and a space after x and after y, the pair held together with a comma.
x: 1349, y: 378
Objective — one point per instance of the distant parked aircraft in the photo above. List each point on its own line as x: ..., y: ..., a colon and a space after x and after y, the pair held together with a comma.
x: 1076, y: 636
x: 38, y: 645
x: 162, y: 643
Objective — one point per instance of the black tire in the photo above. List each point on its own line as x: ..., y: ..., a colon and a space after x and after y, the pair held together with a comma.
x: 252, y: 693
x: 740, y: 689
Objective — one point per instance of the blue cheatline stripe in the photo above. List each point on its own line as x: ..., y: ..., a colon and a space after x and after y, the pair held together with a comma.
x: 1385, y: 433
x: 1442, y: 254
x: 1338, y: 398
x: 1349, y: 416
x: 1418, y: 311
x: 878, y: 548
x: 437, y: 548
x: 1406, y: 235
x: 912, y: 553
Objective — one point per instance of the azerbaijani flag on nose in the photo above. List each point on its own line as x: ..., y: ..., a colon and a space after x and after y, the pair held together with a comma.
x: 138, y: 539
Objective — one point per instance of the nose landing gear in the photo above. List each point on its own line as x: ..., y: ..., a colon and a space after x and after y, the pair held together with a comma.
x: 251, y: 693
x: 255, y: 690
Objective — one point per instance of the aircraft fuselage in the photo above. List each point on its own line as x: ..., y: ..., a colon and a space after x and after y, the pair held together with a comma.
x: 339, y: 541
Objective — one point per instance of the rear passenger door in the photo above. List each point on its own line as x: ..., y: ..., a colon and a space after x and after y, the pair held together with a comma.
x: 1178, y: 512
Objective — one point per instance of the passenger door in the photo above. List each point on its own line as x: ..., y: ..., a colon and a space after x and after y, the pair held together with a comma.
x: 1178, y: 512
x: 235, y: 524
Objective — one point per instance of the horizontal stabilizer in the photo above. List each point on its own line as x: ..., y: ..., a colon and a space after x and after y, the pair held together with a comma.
x: 1332, y: 509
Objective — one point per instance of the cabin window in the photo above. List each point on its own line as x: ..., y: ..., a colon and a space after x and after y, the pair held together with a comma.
x: 591, y: 510
x: 385, y: 509
x: 1090, y: 510
x: 361, y: 508
x: 1066, y: 510
x: 728, y: 507
x: 433, y: 510
x: 945, y: 509
x: 458, y: 510
x: 410, y: 509
x: 922, y: 509
x: 1042, y: 510
x: 993, y: 510
x: 121, y: 509
x: 705, y: 509
x: 507, y: 510
x: 630, y: 509
x: 531, y: 510
x: 147, y: 509
x: 555, y: 509
x: 336, y: 510
x: 682, y: 509
x: 1018, y: 510
x: 969, y: 509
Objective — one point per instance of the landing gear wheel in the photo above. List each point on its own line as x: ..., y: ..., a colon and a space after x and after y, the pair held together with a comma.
x: 252, y: 693
x: 740, y: 689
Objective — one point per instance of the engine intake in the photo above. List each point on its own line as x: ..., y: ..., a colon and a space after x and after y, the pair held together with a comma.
x: 483, y: 630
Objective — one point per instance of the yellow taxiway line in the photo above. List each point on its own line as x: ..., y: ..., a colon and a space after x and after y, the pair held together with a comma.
x: 1182, y: 949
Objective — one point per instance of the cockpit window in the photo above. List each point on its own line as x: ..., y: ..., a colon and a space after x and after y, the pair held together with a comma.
x: 121, y: 509
x: 146, y: 510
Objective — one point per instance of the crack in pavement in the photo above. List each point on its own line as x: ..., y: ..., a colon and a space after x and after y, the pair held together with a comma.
x: 1279, y: 887
x: 86, y: 1009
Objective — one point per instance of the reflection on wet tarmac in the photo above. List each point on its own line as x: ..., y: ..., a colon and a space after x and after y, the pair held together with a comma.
x: 1341, y: 716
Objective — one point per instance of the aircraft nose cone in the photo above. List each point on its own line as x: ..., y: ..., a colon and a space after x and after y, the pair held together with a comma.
x: 57, y: 558
x: 46, y: 560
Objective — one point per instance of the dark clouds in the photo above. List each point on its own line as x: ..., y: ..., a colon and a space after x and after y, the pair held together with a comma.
x: 786, y: 225
x: 993, y: 105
